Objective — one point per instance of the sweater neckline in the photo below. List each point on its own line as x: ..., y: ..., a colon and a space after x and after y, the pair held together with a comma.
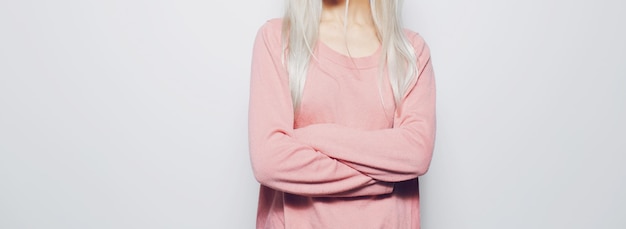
x: 363, y: 62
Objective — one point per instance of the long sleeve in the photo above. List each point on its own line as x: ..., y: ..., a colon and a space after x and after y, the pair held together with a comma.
x: 278, y: 160
x: 396, y: 154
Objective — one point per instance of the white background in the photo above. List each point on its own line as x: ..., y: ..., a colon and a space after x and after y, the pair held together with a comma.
x: 133, y: 114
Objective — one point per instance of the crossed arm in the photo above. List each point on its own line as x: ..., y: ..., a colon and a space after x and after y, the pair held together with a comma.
x: 327, y: 159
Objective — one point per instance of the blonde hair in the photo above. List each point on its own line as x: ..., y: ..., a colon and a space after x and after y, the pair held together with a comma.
x: 300, y: 31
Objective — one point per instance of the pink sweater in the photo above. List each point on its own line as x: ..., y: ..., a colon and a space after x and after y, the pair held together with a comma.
x: 346, y: 160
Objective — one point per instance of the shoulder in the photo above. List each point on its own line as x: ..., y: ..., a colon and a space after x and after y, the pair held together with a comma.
x: 273, y: 25
x: 271, y: 31
x: 422, y: 50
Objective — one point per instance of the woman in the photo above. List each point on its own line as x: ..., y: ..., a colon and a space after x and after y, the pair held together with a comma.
x: 341, y: 116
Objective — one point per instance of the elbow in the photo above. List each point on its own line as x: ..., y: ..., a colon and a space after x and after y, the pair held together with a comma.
x: 263, y: 162
x: 422, y: 156
x: 414, y: 166
x: 260, y: 174
x: 411, y: 162
x: 268, y: 168
x: 418, y: 151
x: 263, y: 170
x: 421, y: 167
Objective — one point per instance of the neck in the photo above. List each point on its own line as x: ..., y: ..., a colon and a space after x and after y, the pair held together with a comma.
x: 359, y: 11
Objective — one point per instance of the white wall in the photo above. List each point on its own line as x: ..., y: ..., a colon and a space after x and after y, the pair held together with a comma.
x: 531, y: 108
x: 132, y: 114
